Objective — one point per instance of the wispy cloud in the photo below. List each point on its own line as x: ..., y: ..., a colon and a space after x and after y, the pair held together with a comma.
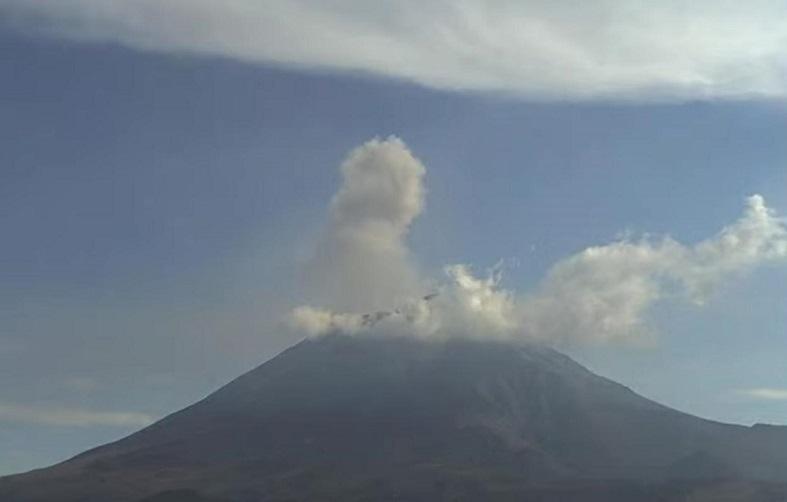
x: 765, y: 394
x: 70, y: 417
x: 636, y: 49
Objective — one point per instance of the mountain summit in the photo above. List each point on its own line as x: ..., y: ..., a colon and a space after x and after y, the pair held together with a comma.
x: 395, y: 418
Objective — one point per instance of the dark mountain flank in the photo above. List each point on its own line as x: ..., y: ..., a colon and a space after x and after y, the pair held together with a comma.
x: 371, y: 418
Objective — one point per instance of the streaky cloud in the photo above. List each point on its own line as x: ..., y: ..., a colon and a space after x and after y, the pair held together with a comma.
x: 766, y: 394
x: 540, y: 49
x: 70, y: 417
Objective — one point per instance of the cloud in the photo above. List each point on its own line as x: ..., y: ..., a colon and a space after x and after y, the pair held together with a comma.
x: 363, y: 276
x: 602, y: 294
x: 463, y: 306
x: 362, y: 261
x: 766, y: 394
x: 70, y: 417
x: 607, y: 49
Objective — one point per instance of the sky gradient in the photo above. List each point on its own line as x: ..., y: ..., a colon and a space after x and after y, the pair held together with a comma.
x: 157, y: 209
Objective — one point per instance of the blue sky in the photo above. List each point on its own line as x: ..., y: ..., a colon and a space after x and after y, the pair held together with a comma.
x: 157, y: 208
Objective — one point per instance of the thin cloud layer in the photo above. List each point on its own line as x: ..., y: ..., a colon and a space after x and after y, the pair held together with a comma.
x: 70, y: 417
x: 766, y: 394
x: 607, y: 49
x: 602, y: 294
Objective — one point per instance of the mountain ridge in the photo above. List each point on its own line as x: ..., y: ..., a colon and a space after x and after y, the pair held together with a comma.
x: 340, y: 415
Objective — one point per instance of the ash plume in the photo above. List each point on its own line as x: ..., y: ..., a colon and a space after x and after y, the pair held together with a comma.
x: 365, y: 280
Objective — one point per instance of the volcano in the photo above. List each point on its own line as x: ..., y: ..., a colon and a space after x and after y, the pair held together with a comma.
x: 351, y: 418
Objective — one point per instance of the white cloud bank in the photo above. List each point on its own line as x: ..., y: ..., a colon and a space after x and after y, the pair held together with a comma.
x: 70, y: 417
x: 609, y: 49
x: 603, y: 293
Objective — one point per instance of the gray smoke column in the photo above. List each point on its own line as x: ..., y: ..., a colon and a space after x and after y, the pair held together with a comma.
x: 362, y: 262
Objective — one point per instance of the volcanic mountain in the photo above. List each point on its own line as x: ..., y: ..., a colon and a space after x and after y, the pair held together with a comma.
x: 349, y: 418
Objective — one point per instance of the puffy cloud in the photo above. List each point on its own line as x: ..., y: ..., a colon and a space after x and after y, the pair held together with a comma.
x: 362, y: 261
x: 759, y: 236
x: 604, y: 292
x: 468, y: 304
x: 600, y: 293
x: 382, y: 186
x: 536, y: 48
x: 766, y: 394
x: 70, y: 417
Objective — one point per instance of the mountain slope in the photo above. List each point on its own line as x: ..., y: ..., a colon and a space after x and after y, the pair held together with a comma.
x: 350, y: 418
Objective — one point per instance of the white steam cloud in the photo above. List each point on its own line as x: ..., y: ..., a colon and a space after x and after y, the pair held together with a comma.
x: 600, y: 294
x: 604, y: 292
x: 463, y: 306
x: 604, y: 49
